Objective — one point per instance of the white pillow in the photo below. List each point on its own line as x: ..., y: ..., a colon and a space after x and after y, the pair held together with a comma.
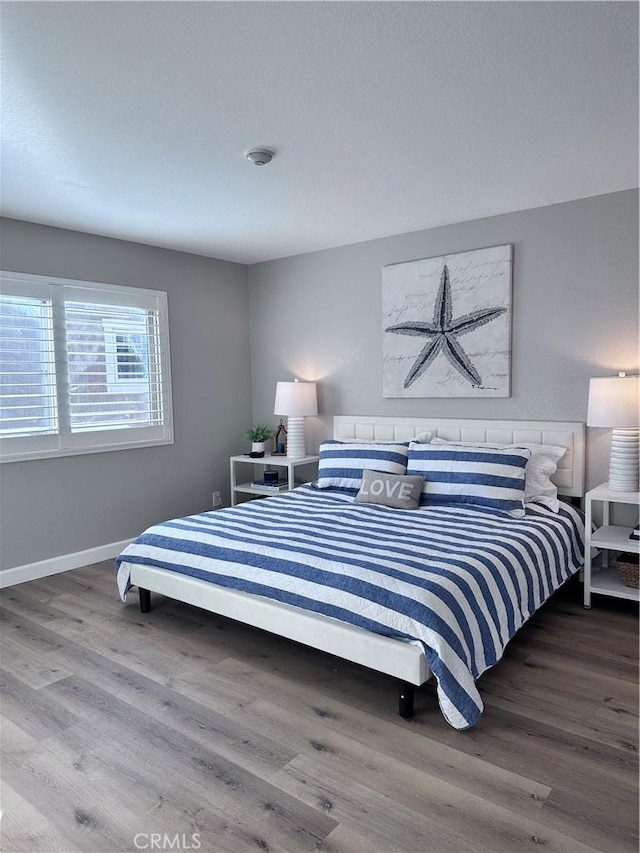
x: 542, y: 465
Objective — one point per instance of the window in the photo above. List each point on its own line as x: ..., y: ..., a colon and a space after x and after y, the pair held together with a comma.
x: 130, y: 362
x: 127, y: 360
x: 84, y: 367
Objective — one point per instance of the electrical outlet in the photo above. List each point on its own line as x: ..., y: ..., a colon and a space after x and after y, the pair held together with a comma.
x: 216, y: 499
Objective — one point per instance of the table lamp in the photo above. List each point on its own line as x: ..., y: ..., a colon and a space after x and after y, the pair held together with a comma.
x: 296, y: 400
x: 613, y: 402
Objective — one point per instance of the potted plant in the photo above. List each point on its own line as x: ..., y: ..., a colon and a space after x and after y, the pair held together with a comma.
x: 257, y: 435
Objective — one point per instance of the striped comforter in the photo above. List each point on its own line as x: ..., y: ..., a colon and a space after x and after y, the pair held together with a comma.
x: 461, y: 580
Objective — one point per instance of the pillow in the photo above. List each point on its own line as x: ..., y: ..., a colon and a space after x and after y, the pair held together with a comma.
x: 542, y: 466
x: 394, y: 490
x: 538, y: 487
x: 463, y: 474
x: 342, y: 462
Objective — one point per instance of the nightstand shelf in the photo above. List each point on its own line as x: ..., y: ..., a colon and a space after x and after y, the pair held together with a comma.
x: 605, y: 580
x: 615, y: 538
x: 262, y: 464
x: 250, y: 489
x: 600, y: 577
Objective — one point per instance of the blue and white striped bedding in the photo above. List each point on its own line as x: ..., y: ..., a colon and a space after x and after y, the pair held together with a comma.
x: 461, y: 580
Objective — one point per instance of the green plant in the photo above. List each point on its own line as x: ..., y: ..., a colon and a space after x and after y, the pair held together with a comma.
x: 258, y: 433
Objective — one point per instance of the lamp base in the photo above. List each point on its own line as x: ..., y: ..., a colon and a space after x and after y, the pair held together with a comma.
x: 625, y: 460
x: 295, y: 438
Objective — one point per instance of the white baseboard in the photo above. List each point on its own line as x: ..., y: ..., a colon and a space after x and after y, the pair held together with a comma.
x: 63, y: 563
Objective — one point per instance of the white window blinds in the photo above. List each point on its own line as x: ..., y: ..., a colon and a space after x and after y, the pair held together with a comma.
x: 84, y: 367
x: 114, y: 366
x: 27, y: 367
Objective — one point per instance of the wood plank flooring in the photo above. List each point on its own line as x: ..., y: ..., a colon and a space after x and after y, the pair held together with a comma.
x: 180, y: 730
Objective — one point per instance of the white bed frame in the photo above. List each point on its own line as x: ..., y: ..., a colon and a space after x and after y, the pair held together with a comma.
x: 402, y: 660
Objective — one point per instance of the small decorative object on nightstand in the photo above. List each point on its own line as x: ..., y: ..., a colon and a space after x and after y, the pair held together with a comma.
x: 601, y: 575
x: 280, y: 440
x: 258, y: 435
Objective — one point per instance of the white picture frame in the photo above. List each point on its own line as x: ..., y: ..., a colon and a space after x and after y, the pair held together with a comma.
x: 446, y: 325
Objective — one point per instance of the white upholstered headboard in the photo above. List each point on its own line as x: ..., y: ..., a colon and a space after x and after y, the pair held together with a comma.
x: 569, y: 478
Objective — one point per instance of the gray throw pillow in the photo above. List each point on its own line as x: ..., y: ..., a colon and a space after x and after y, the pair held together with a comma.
x: 395, y: 490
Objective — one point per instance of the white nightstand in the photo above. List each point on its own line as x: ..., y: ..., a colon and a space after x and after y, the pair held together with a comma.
x: 599, y: 576
x: 247, y: 488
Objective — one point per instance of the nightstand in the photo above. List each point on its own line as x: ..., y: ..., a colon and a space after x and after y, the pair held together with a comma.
x: 247, y: 488
x: 599, y: 576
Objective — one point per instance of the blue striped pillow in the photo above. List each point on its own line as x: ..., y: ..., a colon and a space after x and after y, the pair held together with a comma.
x: 483, y: 476
x: 342, y: 462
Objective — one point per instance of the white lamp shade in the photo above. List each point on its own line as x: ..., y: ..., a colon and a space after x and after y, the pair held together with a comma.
x: 613, y: 402
x: 296, y: 399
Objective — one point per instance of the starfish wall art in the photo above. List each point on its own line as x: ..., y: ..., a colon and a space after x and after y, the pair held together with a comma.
x: 447, y: 325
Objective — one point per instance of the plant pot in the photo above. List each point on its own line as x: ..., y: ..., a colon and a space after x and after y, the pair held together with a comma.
x: 257, y: 448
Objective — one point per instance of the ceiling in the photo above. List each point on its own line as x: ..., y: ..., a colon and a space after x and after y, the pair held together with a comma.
x: 132, y: 119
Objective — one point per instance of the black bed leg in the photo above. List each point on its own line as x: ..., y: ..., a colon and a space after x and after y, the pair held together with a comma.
x: 145, y: 600
x: 407, y: 693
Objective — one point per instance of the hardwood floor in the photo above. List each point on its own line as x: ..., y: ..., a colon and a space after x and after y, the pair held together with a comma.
x: 179, y: 730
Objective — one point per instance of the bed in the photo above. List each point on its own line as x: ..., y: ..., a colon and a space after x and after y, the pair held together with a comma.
x: 434, y: 591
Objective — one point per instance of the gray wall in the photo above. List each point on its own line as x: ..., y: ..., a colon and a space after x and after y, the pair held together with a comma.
x: 575, y: 315
x: 317, y: 316
x: 50, y: 507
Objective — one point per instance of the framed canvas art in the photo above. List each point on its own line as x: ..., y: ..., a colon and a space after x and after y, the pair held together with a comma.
x: 447, y: 325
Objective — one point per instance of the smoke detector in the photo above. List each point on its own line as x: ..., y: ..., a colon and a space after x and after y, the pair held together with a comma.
x: 260, y: 156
